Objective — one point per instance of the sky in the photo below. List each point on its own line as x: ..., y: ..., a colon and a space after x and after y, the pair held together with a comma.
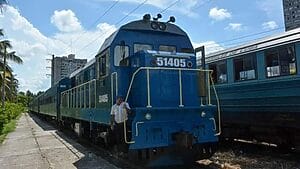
x: 39, y: 28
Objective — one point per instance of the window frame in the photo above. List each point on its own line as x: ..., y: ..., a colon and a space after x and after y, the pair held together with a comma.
x: 168, y: 46
x: 114, y: 55
x: 137, y: 43
x: 217, y: 65
x: 104, y: 54
x: 254, y: 62
x: 277, y: 50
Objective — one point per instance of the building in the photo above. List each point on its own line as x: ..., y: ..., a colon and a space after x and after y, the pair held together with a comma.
x: 291, y: 10
x: 63, y: 66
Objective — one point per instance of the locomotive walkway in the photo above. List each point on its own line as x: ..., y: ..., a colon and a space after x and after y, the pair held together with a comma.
x: 37, y: 145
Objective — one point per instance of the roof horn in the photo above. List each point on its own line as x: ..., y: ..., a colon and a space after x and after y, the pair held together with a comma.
x: 157, y: 17
x: 172, y: 19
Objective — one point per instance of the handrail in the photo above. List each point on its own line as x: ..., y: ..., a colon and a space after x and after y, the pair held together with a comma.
x: 112, y: 86
x: 180, y: 89
x: 79, y: 85
x: 218, y: 105
x: 148, y: 89
x: 125, y: 134
x: 210, y: 83
x: 157, y: 68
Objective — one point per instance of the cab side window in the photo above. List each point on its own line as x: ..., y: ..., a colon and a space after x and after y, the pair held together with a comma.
x: 121, y: 54
x: 102, y: 64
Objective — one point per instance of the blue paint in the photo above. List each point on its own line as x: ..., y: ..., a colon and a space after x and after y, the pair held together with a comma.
x: 266, y: 102
x: 297, y: 46
x: 168, y: 118
x: 261, y: 71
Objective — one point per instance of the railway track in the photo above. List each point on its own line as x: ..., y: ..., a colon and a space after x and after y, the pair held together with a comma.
x: 231, y: 155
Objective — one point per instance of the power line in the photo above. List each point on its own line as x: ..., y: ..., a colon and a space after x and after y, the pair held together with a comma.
x: 117, y: 23
x: 243, y: 37
x: 251, y: 35
x: 168, y: 7
x: 93, y: 24
x: 204, y: 3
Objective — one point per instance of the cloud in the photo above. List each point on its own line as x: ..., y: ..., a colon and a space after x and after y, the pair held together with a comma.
x: 106, y: 27
x: 272, y: 8
x: 269, y: 25
x: 35, y: 48
x: 210, y: 46
x: 235, y: 27
x: 219, y: 14
x: 66, y: 21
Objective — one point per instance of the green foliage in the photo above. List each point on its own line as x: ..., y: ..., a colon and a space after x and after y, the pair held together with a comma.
x: 8, y: 115
x: 9, y: 127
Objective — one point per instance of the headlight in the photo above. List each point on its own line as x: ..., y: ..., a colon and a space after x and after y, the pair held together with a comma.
x: 148, y: 116
x: 203, y: 114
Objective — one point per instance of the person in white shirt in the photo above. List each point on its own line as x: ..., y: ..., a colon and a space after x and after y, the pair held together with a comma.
x: 118, y: 114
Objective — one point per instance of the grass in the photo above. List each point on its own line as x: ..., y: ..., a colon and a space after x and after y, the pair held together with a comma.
x: 9, y: 127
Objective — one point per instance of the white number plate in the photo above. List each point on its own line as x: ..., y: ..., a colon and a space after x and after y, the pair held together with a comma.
x: 172, y: 62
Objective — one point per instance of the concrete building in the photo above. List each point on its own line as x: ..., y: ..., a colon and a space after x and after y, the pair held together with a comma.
x: 63, y: 66
x: 291, y: 10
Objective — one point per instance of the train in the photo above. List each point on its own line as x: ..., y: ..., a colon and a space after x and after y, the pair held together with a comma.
x: 258, y: 86
x: 152, y: 64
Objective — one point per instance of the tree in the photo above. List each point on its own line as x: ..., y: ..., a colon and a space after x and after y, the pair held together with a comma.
x: 4, y: 55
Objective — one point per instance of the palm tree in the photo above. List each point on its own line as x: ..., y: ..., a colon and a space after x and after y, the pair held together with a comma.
x: 4, y: 45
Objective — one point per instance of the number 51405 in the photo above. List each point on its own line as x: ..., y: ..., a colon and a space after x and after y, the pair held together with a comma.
x: 173, y: 62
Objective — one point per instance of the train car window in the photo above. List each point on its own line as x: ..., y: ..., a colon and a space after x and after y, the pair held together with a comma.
x: 78, y: 97
x: 73, y: 99
x: 92, y: 88
x: 141, y: 47
x: 81, y: 78
x: 82, y: 96
x: 77, y: 80
x: 245, y: 68
x: 219, y: 74
x: 281, y: 61
x: 166, y: 48
x: 213, y: 67
x: 92, y: 74
x: 272, y: 63
x: 222, y: 72
x: 64, y: 100
x: 70, y: 98
x: 67, y: 99
x: 121, y: 54
x: 87, y: 96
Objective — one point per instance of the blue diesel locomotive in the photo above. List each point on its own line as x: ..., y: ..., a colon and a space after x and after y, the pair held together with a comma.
x: 259, y: 89
x: 153, y: 65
